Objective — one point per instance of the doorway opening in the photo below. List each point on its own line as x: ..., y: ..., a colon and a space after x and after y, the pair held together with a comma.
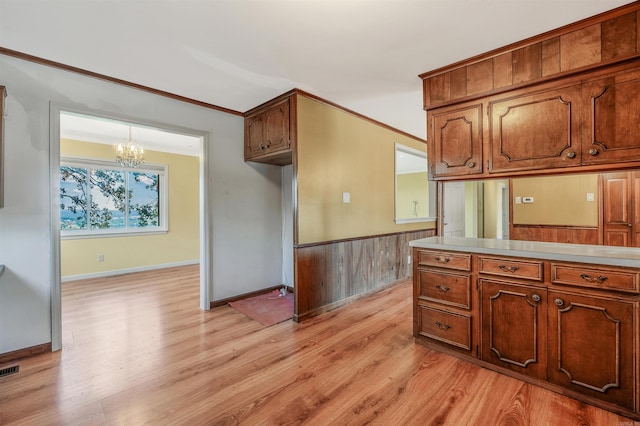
x: 110, y: 218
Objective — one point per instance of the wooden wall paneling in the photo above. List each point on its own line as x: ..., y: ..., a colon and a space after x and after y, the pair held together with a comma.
x: 550, y: 56
x: 580, y: 48
x: 619, y: 36
x: 360, y: 269
x: 440, y: 88
x: 527, y: 63
x: 332, y: 274
x: 310, y: 278
x: 637, y: 32
x: 480, y: 77
x: 503, y: 70
x: 458, y: 83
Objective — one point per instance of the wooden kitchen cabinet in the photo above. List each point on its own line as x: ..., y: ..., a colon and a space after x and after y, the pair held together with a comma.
x: 514, y: 325
x: 456, y: 141
x: 535, y: 131
x: 611, y: 128
x: 443, y: 299
x: 269, y: 130
x: 572, y: 327
x: 591, y: 346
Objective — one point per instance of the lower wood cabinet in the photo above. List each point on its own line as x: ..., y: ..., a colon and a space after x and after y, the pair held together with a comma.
x: 573, y: 328
x: 514, y: 327
x: 591, y: 344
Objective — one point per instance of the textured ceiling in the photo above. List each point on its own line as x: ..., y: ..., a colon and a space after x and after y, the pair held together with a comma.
x: 362, y: 54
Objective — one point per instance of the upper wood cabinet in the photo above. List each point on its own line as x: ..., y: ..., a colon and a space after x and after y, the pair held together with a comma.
x: 591, y: 121
x: 612, y: 119
x: 269, y: 130
x: 456, y: 141
x: 535, y: 131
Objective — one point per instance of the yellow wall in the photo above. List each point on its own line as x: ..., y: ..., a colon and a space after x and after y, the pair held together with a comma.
x: 339, y: 152
x: 558, y: 200
x: 412, y: 187
x: 180, y: 244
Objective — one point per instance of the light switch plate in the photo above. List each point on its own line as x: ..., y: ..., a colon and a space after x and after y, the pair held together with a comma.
x: 518, y: 200
x: 591, y: 196
x: 346, y: 197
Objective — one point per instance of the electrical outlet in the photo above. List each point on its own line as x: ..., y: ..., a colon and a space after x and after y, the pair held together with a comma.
x: 101, y: 258
x: 409, y: 260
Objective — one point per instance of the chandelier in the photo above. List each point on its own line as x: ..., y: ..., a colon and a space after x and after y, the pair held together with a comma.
x: 129, y: 155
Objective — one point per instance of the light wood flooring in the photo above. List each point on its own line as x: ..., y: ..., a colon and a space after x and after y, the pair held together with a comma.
x: 137, y: 350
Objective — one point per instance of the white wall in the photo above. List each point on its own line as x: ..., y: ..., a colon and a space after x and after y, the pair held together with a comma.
x: 244, y: 198
x: 287, y: 226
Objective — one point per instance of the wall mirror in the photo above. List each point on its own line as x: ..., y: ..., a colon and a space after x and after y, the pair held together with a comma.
x: 594, y: 208
x: 414, y: 194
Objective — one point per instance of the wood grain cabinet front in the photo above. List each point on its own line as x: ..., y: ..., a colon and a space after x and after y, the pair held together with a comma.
x: 268, y: 133
x: 456, y: 141
x: 514, y: 322
x: 511, y: 267
x: 445, y: 287
x: 621, y: 279
x: 535, y: 131
x: 448, y: 327
x: 591, y: 346
x: 611, y: 127
x: 444, y: 259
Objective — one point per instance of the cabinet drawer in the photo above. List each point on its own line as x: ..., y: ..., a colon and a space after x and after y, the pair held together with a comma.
x: 507, y: 267
x: 447, y: 327
x: 598, y: 277
x: 445, y: 259
x: 445, y: 287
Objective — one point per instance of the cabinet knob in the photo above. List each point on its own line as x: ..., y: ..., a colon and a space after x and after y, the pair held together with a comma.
x: 442, y: 287
x: 471, y: 165
x: 593, y: 151
x: 535, y: 298
x: 559, y: 302
x: 571, y: 154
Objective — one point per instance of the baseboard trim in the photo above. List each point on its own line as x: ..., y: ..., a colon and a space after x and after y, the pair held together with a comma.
x: 25, y: 353
x: 222, y: 302
x: 331, y: 306
x: 127, y: 271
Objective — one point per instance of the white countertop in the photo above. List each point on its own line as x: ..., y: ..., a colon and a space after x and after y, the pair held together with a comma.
x: 584, y: 253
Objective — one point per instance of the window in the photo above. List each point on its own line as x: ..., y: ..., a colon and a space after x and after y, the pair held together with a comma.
x: 415, y: 194
x: 98, y: 198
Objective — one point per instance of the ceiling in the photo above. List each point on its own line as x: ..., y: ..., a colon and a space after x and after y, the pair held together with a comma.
x: 362, y: 54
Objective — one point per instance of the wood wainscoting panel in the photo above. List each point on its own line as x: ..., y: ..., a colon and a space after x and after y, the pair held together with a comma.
x: 334, y: 273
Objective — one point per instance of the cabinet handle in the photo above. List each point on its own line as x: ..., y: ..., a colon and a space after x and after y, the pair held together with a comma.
x: 559, y: 302
x: 442, y: 259
x: 600, y: 279
x: 471, y: 165
x: 442, y: 287
x: 535, y: 298
x: 511, y: 269
x: 442, y: 326
x: 593, y: 151
x: 261, y: 146
x: 571, y: 154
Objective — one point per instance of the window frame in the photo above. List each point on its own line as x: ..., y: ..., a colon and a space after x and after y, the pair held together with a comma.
x: 163, y: 194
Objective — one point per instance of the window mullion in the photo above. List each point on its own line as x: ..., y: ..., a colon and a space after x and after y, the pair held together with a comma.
x: 89, y: 199
x: 126, y: 200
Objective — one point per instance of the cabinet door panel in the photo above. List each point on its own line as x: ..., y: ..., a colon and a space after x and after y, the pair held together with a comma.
x: 612, y: 122
x: 536, y: 131
x: 254, y: 133
x: 457, y: 141
x: 276, y: 126
x: 514, y: 327
x: 591, y: 346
